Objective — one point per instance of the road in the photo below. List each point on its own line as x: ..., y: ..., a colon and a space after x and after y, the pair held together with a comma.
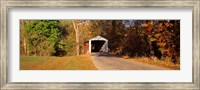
x: 118, y: 63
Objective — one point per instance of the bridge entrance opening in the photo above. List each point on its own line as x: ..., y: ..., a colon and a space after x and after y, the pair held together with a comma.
x: 97, y: 45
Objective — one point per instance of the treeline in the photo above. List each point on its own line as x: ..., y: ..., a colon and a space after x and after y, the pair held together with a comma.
x: 160, y: 38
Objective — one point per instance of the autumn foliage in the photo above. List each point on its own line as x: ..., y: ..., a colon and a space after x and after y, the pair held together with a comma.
x: 132, y: 38
x: 164, y: 37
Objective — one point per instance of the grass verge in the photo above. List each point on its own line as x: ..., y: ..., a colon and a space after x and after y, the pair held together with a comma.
x: 81, y: 62
x: 155, y: 61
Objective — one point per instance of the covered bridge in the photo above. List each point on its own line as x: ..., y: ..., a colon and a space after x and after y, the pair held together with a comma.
x: 98, y: 44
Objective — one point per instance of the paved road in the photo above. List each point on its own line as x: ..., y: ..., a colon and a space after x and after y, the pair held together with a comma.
x: 117, y: 63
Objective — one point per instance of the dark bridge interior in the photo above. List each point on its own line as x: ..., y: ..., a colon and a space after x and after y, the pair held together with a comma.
x: 96, y: 45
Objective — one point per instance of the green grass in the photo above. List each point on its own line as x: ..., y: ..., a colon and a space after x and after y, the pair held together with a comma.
x: 82, y: 62
x: 32, y: 58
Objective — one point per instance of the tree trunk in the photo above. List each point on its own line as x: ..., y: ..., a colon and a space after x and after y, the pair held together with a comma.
x: 77, y: 38
x: 35, y: 52
x: 25, y: 49
x: 77, y: 42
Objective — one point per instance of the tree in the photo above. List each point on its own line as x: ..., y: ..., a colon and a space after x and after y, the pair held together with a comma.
x: 43, y: 36
x: 81, y: 28
x: 23, y: 39
x: 165, y: 38
x: 67, y: 44
x: 76, y: 29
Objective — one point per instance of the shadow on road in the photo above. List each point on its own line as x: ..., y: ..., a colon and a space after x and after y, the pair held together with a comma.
x: 101, y: 55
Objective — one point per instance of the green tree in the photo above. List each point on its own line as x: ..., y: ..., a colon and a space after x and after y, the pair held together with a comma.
x: 43, y: 36
x: 67, y: 45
